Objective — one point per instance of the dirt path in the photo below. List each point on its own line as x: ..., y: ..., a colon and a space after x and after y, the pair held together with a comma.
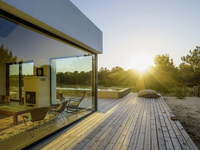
x: 188, y: 113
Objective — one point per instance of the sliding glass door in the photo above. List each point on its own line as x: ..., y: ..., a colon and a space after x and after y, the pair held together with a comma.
x: 73, y: 76
x: 14, y: 82
x: 15, y: 74
x: 38, y: 71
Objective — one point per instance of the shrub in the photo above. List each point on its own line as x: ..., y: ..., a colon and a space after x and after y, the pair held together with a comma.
x: 179, y: 92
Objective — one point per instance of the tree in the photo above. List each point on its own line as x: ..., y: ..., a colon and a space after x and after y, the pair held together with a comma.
x: 130, y: 78
x: 104, y: 77
x: 6, y: 56
x: 166, y: 72
x: 193, y: 60
x: 163, y: 63
x: 117, y: 75
x: 186, y: 74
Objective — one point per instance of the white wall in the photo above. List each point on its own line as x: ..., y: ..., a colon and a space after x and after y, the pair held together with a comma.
x: 60, y: 17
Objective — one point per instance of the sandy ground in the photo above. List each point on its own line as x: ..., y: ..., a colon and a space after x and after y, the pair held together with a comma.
x: 188, y: 113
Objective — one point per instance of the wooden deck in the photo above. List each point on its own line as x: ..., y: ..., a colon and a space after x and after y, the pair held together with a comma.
x: 127, y: 123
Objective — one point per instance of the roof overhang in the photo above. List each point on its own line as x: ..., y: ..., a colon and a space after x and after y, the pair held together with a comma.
x: 88, y: 37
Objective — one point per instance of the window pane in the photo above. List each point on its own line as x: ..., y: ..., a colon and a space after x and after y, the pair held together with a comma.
x: 39, y: 71
x: 73, y: 77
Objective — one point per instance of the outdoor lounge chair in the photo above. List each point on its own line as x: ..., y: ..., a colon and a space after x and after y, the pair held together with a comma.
x: 59, y: 110
x: 74, y: 103
x: 35, y: 115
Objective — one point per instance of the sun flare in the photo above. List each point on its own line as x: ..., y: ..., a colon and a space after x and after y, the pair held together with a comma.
x: 142, y: 62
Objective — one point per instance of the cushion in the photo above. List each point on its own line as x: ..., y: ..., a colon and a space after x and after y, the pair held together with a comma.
x: 148, y: 93
x: 29, y: 117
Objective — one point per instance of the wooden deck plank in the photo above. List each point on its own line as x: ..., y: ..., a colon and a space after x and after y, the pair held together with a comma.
x: 129, y: 135
x: 98, y: 117
x: 73, y: 133
x: 185, y: 137
x: 134, y: 138
x: 147, y: 141
x: 172, y: 134
x: 116, y: 124
x: 179, y: 136
x: 124, y: 127
x: 127, y: 123
x: 99, y: 130
x: 94, y: 137
x: 160, y: 136
x: 141, y: 135
x: 165, y: 131
x: 154, y: 137
x: 82, y: 134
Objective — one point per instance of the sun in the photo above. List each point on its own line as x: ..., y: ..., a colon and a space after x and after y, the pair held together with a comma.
x: 142, y: 62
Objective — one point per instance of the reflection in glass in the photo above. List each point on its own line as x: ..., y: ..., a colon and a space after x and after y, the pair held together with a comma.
x: 14, y: 81
x: 65, y: 71
x: 16, y: 74
x: 73, y: 76
x: 27, y: 68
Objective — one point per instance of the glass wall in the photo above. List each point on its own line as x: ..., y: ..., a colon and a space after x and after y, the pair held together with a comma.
x: 73, y: 76
x: 39, y: 71
x: 16, y: 72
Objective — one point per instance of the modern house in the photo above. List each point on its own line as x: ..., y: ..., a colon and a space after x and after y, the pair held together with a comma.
x: 48, y: 50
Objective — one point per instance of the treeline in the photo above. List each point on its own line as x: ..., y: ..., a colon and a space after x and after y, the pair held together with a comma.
x: 163, y: 77
x: 75, y: 78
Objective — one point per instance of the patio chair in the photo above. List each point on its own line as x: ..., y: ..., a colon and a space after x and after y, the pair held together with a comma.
x: 59, y: 110
x: 74, y: 103
x: 35, y: 115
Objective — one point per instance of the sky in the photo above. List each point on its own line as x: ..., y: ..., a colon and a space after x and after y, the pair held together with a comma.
x: 135, y: 31
x: 68, y: 58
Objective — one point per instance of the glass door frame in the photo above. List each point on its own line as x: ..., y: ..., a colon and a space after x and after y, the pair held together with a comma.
x: 94, y: 78
x: 20, y: 78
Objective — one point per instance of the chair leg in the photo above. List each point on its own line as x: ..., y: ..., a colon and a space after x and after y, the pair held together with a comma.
x: 58, y: 117
x: 46, y: 125
x: 63, y: 117
x: 27, y: 129
x: 65, y: 113
x: 50, y: 116
x: 33, y: 129
x: 26, y: 126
